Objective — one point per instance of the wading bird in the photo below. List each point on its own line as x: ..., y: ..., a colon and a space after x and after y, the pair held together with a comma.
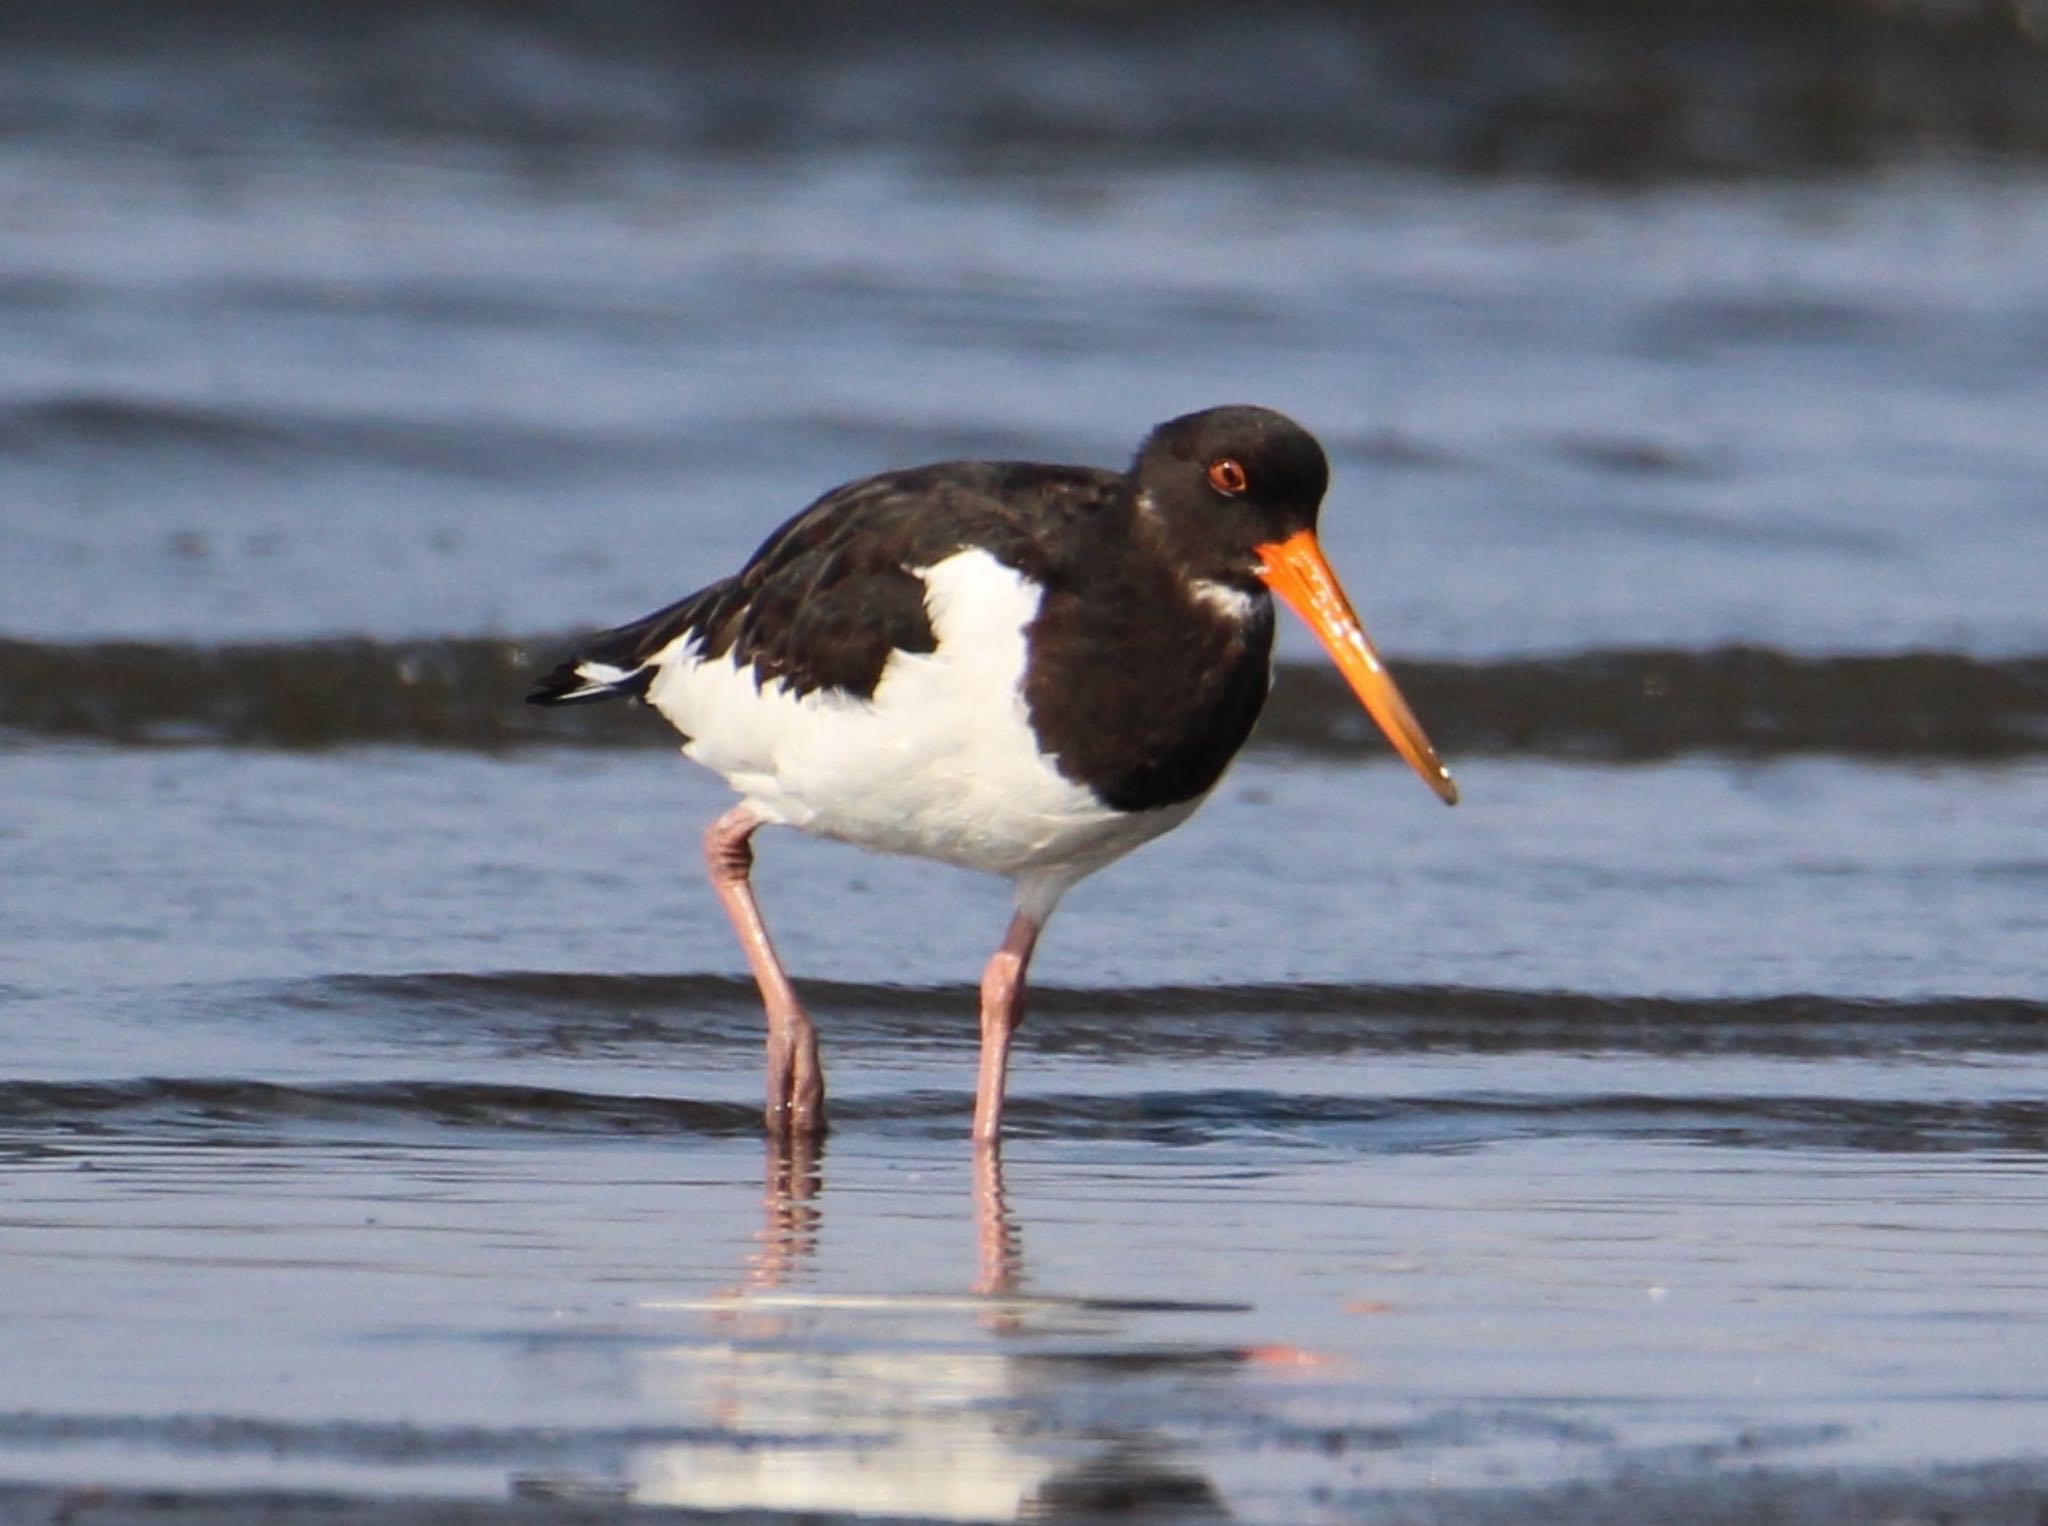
x: 1018, y: 668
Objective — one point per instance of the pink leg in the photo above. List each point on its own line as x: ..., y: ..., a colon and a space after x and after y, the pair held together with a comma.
x: 796, y: 1082
x: 1002, y: 1009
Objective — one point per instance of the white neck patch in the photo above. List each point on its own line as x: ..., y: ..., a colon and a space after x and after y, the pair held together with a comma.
x: 1232, y: 603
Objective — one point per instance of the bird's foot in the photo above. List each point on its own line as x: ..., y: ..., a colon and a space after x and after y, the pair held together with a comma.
x: 796, y: 1079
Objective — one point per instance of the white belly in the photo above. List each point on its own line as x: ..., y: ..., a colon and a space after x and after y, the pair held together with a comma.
x: 940, y: 761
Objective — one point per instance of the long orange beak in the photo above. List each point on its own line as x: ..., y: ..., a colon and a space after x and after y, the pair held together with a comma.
x: 1295, y: 569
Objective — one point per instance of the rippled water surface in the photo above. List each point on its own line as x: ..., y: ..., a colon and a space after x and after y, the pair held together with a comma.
x: 1661, y: 1135
x: 377, y: 1134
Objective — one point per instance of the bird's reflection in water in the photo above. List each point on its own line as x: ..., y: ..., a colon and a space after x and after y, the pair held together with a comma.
x: 1001, y: 1260
x: 788, y: 1236
x: 938, y: 1405
x: 796, y: 1176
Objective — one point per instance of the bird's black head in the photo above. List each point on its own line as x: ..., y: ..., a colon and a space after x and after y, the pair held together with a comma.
x: 1224, y: 481
x: 1233, y: 494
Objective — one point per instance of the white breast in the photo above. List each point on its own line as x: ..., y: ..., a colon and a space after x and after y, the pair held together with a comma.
x: 940, y: 762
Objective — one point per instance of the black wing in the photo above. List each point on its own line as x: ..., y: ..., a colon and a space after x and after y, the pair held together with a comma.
x: 834, y: 591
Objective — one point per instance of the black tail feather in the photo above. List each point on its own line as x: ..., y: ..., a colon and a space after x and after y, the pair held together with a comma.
x: 615, y: 664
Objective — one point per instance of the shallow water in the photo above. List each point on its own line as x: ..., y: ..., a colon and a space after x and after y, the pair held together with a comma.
x: 1540, y: 1154
x: 1558, y: 420
x: 148, y: 871
x: 378, y: 1083
x: 621, y: 1315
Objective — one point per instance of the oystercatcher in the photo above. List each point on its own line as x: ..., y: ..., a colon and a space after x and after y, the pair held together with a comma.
x: 1019, y: 668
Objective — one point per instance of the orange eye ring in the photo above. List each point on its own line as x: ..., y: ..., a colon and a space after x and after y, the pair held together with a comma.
x: 1226, y: 475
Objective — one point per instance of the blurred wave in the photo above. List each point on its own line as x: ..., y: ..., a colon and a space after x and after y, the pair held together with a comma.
x: 1621, y: 705
x: 78, y: 427
x: 1575, y: 87
x: 582, y: 1012
x: 214, y: 1110
x: 214, y: 1104
x: 677, y: 1030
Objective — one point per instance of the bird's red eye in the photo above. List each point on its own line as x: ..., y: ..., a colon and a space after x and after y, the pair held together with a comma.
x: 1227, y: 476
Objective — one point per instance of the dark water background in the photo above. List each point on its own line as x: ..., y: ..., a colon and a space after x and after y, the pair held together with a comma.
x: 377, y: 1080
